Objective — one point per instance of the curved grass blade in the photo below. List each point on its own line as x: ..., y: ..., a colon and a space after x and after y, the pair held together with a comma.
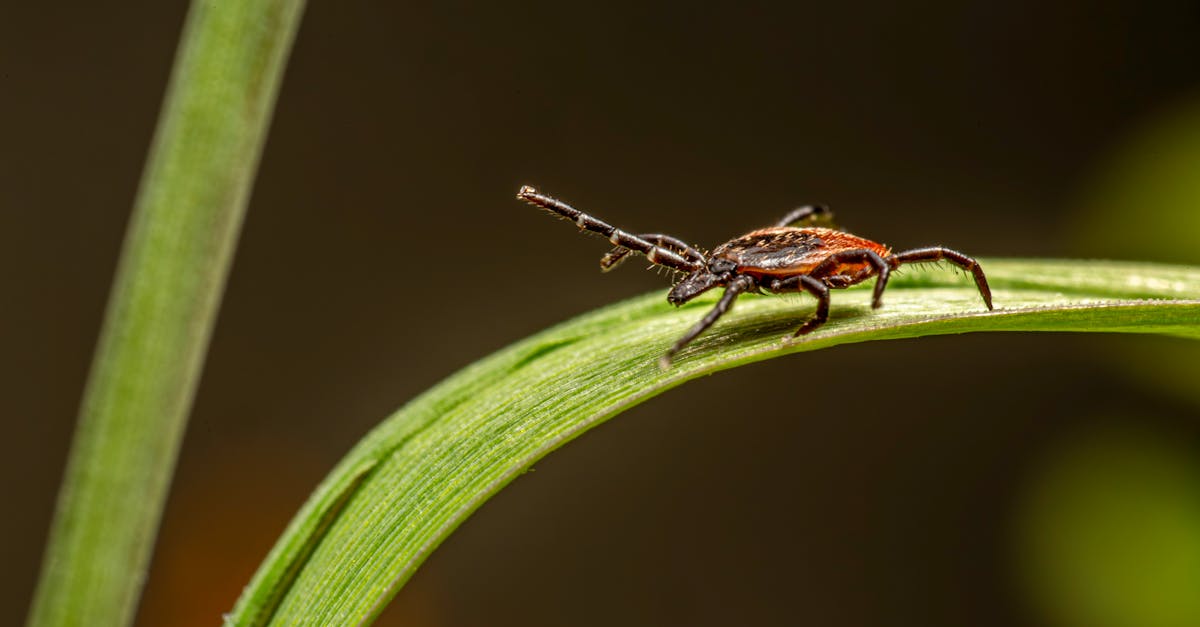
x: 421, y: 472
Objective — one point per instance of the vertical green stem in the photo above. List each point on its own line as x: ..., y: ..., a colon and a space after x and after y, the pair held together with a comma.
x: 161, y: 311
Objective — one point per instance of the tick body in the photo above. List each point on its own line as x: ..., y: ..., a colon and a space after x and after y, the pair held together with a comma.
x: 778, y: 259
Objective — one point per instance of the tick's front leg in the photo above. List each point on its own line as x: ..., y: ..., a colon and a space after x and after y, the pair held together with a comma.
x: 735, y: 288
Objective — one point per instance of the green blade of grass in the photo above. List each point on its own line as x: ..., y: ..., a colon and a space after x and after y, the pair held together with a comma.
x: 162, y: 307
x: 421, y: 472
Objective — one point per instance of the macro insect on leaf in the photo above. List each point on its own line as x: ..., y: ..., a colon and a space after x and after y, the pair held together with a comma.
x: 779, y: 258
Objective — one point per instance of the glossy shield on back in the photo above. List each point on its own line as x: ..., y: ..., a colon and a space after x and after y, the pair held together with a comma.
x: 785, y: 251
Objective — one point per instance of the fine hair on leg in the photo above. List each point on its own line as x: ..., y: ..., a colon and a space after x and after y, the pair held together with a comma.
x: 812, y: 286
x: 656, y: 254
x: 735, y: 288
x: 938, y: 253
x: 615, y: 256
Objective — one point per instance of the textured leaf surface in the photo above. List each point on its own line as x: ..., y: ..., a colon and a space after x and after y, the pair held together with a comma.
x: 422, y: 471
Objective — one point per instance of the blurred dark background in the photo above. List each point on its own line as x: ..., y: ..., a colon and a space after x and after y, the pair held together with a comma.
x: 985, y: 480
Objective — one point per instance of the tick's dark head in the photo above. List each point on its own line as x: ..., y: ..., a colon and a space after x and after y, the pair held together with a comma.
x: 715, y: 274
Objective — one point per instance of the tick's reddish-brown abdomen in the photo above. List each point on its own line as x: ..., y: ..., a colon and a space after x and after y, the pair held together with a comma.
x: 788, y: 251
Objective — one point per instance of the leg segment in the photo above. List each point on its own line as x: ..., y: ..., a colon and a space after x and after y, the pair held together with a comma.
x: 736, y: 287
x: 800, y: 214
x: 937, y: 253
x: 656, y: 254
x: 812, y: 286
x: 615, y: 256
x: 879, y: 267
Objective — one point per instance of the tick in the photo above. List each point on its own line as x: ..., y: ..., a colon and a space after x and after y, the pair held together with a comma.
x: 780, y: 258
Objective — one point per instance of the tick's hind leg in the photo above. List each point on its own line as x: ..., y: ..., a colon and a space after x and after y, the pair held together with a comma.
x: 800, y: 214
x: 615, y: 256
x: 812, y: 286
x: 736, y: 287
x: 937, y: 253
x: 875, y: 265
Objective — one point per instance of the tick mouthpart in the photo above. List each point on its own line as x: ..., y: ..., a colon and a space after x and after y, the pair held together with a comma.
x: 526, y: 192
